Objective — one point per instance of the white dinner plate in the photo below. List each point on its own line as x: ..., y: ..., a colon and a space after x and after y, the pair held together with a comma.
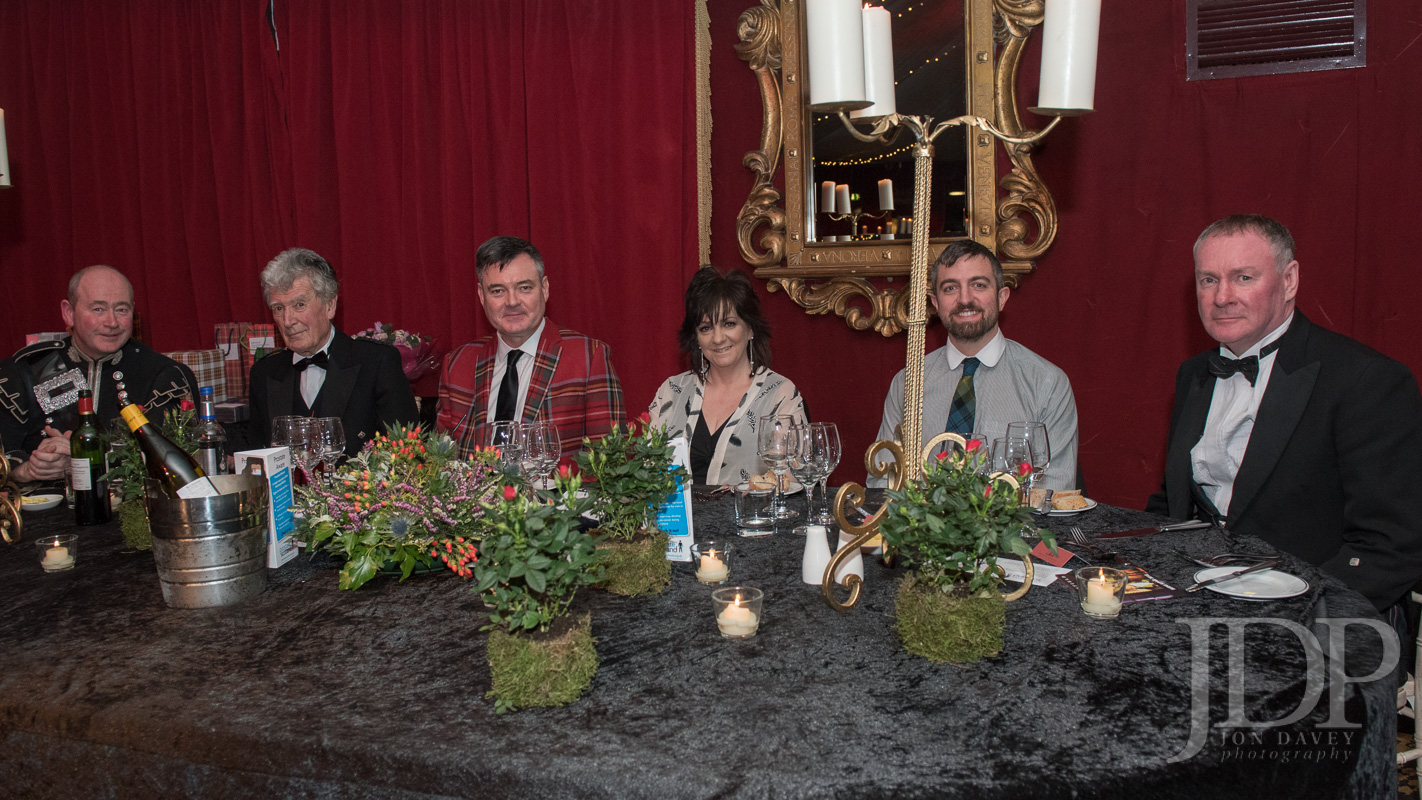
x: 1066, y: 512
x: 1268, y: 584
x: 795, y: 487
x: 40, y: 502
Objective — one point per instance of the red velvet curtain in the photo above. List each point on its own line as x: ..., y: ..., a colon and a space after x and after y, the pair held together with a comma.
x: 173, y: 141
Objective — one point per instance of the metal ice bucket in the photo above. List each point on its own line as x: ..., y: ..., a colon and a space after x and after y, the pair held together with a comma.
x: 211, y: 551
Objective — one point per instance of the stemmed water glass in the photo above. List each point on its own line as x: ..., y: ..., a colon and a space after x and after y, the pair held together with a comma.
x: 506, y: 436
x: 1008, y: 453
x: 824, y: 452
x: 777, y: 443
x: 550, y: 446
x: 803, y: 465
x: 294, y: 433
x: 329, y: 442
x: 1036, y: 435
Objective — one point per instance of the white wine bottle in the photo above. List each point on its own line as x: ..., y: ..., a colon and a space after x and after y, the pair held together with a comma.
x: 167, y: 463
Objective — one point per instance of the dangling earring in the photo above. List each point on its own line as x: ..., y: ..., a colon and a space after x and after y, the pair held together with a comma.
x: 750, y: 353
x: 700, y: 365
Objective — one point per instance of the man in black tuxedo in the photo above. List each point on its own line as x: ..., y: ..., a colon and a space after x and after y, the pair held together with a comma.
x: 1292, y: 432
x: 323, y: 372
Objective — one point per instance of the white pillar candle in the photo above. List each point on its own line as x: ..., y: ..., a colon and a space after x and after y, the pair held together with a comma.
x: 841, y: 198
x: 712, y: 569
x: 834, y: 32
x: 886, y: 195
x: 878, y: 64
x: 826, y: 196
x: 737, y: 620
x: 57, y: 558
x: 1069, y: 37
x: 1101, y: 597
x: 4, y: 153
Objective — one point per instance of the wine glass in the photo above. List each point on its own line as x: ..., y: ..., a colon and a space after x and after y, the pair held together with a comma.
x: 803, y: 465
x: 1015, y: 451
x: 825, y: 450
x: 292, y: 433
x: 550, y: 447
x: 1036, y: 435
x: 776, y: 446
x: 329, y: 436
x: 507, y: 437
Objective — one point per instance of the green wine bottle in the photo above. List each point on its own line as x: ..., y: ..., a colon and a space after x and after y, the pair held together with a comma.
x: 86, y: 466
x: 167, y: 463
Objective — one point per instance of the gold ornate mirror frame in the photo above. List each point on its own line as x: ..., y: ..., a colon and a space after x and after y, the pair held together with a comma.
x: 837, y: 277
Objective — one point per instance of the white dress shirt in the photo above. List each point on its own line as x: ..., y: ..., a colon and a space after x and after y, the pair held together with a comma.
x: 1011, y: 384
x: 314, y: 377
x: 1215, y: 459
x: 529, y: 348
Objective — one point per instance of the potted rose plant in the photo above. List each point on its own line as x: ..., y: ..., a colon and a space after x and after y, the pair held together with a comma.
x: 951, y: 526
x: 407, y: 502
x: 534, y: 558
x: 631, y: 475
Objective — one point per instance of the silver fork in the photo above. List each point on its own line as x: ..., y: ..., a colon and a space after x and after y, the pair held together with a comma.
x: 1079, y: 538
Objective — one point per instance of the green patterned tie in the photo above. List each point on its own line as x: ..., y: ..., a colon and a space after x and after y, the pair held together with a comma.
x: 960, y: 414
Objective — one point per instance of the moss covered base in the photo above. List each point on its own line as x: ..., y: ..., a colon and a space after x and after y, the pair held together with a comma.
x: 133, y: 521
x: 943, y: 628
x: 548, y: 669
x: 637, y: 566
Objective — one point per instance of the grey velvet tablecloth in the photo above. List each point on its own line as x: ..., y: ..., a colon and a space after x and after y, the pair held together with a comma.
x: 310, y: 692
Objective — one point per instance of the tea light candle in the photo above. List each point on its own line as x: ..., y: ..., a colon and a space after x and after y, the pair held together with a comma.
x: 737, y: 620
x: 712, y: 569
x: 57, y: 558
x: 1101, y: 598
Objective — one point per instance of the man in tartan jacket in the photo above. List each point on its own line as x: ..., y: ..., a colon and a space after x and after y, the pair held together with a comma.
x: 558, y: 375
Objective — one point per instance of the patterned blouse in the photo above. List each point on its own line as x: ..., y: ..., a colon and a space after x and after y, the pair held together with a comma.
x: 678, y: 406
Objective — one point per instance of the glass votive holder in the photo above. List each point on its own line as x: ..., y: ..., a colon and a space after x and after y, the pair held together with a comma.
x: 713, y: 561
x: 57, y: 553
x: 737, y: 610
x: 1101, y: 590
x: 754, y: 514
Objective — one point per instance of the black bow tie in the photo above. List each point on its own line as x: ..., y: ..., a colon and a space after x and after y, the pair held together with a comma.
x: 318, y: 360
x: 1222, y: 367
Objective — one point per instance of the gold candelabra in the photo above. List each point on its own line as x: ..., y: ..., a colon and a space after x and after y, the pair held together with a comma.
x: 900, y: 468
x: 853, y: 218
x: 11, y: 523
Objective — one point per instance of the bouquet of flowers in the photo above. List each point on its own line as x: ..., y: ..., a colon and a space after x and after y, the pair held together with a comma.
x: 407, y: 500
x: 417, y: 355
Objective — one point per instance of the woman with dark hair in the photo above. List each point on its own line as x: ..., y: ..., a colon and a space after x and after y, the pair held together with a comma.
x: 730, y: 385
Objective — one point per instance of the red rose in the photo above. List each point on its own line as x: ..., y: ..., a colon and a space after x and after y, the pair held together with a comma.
x: 564, y: 471
x: 509, y: 493
x: 645, y: 418
x: 942, y: 455
x: 1024, y: 469
x: 186, y: 405
x: 973, y: 445
x: 988, y: 491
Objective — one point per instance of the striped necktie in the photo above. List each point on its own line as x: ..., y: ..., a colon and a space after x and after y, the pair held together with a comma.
x: 960, y: 414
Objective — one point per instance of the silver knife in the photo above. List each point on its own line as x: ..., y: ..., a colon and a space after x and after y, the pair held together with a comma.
x: 1262, y: 565
x: 1184, y: 526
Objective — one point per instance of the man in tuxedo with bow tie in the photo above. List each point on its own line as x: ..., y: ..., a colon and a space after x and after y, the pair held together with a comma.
x: 322, y: 372
x: 532, y: 369
x: 1291, y: 432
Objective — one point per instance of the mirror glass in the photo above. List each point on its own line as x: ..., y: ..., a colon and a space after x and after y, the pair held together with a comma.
x: 929, y: 67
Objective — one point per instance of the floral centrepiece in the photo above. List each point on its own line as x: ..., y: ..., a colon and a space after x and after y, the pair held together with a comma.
x: 406, y: 500
x: 632, y: 474
x: 417, y: 356
x: 951, y: 526
x: 535, y: 557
